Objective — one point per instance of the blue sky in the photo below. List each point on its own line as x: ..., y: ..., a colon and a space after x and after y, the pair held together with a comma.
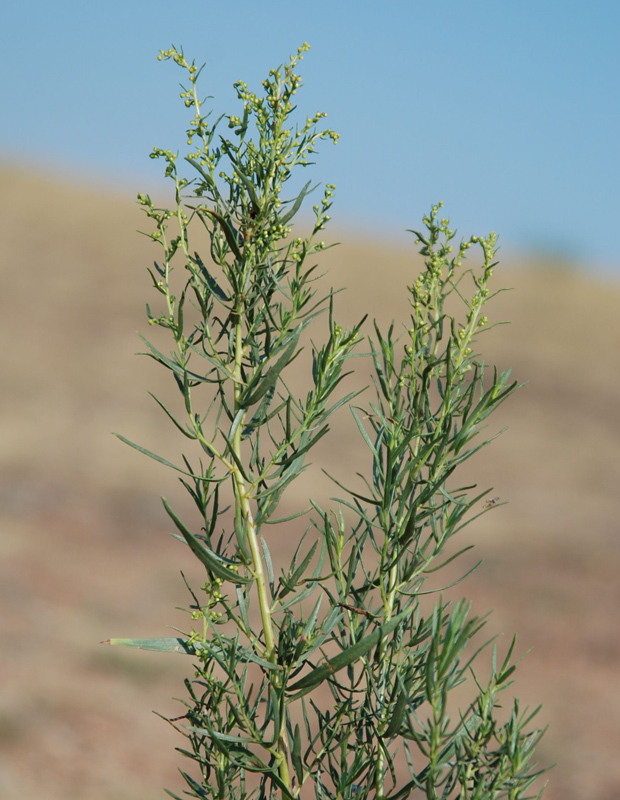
x: 506, y: 111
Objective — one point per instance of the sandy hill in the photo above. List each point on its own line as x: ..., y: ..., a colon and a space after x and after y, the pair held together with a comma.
x: 84, y: 551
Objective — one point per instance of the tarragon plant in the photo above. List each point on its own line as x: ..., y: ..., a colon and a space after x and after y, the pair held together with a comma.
x: 332, y: 676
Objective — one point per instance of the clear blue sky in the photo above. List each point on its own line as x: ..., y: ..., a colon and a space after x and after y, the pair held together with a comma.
x: 507, y: 111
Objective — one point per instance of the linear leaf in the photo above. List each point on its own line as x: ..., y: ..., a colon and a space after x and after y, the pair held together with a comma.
x: 402, y: 705
x: 269, y: 565
x: 296, y: 755
x: 213, y: 285
x: 362, y: 430
x: 168, y: 645
x: 299, y: 596
x: 249, y: 185
x: 184, y: 431
x: 161, y: 460
x: 287, y: 519
x: 303, y: 447
x: 211, y: 560
x: 347, y: 657
x: 289, y: 583
x: 297, y: 204
x: 249, y: 399
x: 228, y: 231
x: 180, y: 371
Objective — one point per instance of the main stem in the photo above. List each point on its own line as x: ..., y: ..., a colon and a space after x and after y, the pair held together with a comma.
x: 257, y: 562
x: 389, y: 610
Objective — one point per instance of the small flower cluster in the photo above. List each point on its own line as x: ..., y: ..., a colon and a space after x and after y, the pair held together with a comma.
x: 207, y: 614
x: 440, y: 279
x: 255, y: 176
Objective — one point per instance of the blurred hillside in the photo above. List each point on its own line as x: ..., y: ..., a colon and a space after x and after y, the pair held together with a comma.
x: 83, y: 547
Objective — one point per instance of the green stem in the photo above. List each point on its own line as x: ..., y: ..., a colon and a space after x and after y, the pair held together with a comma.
x: 258, y: 571
x: 388, y: 605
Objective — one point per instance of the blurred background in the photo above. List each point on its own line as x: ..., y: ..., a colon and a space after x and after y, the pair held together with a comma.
x: 506, y: 112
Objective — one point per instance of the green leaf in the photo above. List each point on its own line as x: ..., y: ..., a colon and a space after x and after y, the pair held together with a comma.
x: 233, y: 454
x: 275, y: 489
x: 195, y: 786
x: 230, y: 235
x: 217, y: 364
x: 177, y: 368
x: 184, y: 431
x: 222, y: 737
x: 286, y: 519
x: 326, y: 629
x: 409, y: 528
x: 403, y: 703
x: 172, y: 794
x: 197, y: 166
x: 347, y: 657
x: 176, y: 645
x: 365, y: 436
x: 253, y: 395
x: 300, y: 596
x: 311, y: 621
x: 305, y: 444
x: 211, y: 560
x: 213, y: 285
x: 289, y: 583
x: 161, y: 460
x: 363, y: 498
x: 269, y: 565
x: 251, y: 189
x: 297, y: 204
x: 243, y: 607
x: 296, y: 755
x: 343, y: 401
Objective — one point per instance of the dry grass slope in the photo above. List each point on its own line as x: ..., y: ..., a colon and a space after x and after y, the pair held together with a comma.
x: 83, y: 548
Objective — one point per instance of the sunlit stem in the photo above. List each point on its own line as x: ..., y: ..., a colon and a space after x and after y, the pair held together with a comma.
x: 258, y: 570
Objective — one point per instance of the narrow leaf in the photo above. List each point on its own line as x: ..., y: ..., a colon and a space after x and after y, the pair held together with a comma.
x: 184, y: 431
x: 213, y: 285
x: 229, y: 233
x: 296, y: 755
x: 269, y: 565
x: 176, y: 645
x: 211, y: 560
x: 297, y: 204
x: 290, y: 582
x: 249, y: 399
x: 155, y: 457
x: 304, y: 447
x: 347, y: 657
